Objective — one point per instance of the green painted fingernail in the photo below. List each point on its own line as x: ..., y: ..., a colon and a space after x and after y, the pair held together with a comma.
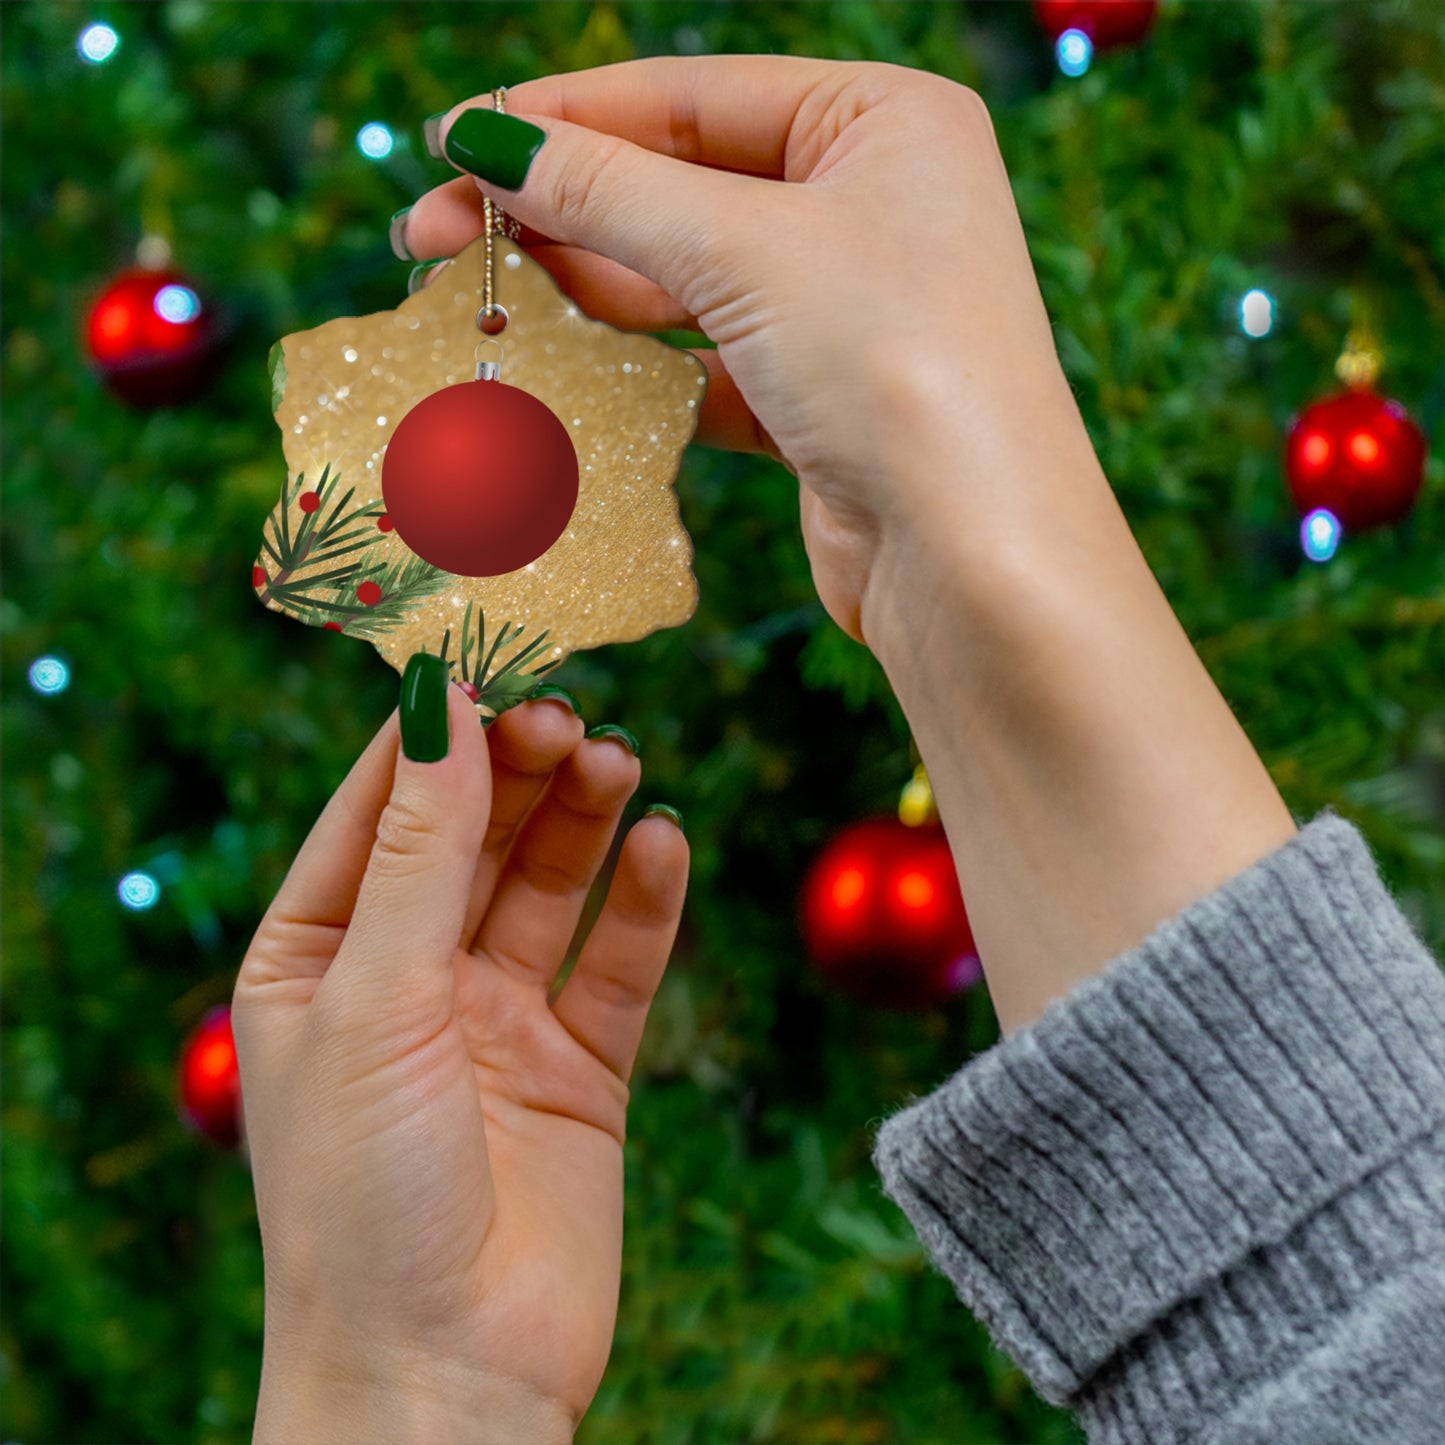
x: 664, y: 810
x: 498, y: 148
x: 431, y: 133
x: 396, y: 229
x: 425, y: 737
x: 614, y: 730
x: 414, y: 280
x: 550, y: 689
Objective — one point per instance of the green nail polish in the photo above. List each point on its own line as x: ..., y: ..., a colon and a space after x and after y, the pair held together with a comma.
x: 414, y: 280
x: 550, y: 689
x: 614, y: 730
x: 425, y: 737
x: 498, y: 148
x: 396, y: 230
x: 431, y: 133
x: 666, y: 811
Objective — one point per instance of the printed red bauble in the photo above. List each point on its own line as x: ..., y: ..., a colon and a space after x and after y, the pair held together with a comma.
x: 152, y: 338
x: 1107, y: 23
x: 479, y: 478
x: 210, y: 1080
x: 883, y: 916
x: 1359, y: 456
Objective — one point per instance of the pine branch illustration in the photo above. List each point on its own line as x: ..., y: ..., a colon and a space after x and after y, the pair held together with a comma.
x: 508, y: 684
x: 319, y: 538
x: 372, y: 601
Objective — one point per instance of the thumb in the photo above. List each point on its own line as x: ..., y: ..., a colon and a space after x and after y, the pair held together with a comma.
x: 407, y: 922
x: 664, y: 218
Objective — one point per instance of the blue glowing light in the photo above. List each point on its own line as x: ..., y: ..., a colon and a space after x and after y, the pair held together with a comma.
x: 375, y: 140
x: 1256, y: 313
x: 49, y: 675
x: 1074, y: 51
x: 1319, y: 535
x: 138, y: 890
x: 97, y: 43
x: 177, y: 304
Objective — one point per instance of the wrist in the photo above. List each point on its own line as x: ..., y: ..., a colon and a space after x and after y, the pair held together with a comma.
x: 400, y: 1399
x: 1092, y: 779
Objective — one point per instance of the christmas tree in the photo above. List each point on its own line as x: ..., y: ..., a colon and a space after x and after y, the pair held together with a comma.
x: 1211, y: 210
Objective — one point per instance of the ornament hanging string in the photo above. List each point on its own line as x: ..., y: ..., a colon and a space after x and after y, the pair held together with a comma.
x: 494, y: 219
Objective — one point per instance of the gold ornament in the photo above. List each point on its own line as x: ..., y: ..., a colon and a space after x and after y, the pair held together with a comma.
x: 915, y: 804
x: 630, y: 403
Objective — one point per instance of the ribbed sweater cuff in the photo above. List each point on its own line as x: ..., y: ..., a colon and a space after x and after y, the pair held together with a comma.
x: 1212, y: 1106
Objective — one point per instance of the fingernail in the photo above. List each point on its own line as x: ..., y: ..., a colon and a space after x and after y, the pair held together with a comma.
x: 614, y: 730
x: 665, y: 811
x: 431, y: 133
x: 397, y: 231
x: 550, y: 689
x: 498, y: 148
x: 415, y: 280
x: 424, y: 733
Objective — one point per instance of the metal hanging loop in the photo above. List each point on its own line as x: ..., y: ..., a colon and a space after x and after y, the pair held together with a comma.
x: 488, y: 370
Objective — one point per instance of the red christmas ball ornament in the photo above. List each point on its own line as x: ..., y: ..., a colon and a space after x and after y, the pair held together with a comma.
x: 152, y: 338
x: 883, y: 916
x: 1107, y: 23
x: 480, y: 478
x: 210, y: 1081
x: 1358, y: 455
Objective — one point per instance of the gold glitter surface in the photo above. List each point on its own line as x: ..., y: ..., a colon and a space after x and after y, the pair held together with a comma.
x: 623, y: 567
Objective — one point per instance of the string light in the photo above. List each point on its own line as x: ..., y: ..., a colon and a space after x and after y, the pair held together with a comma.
x: 375, y: 141
x: 1074, y: 52
x: 1256, y: 313
x: 97, y: 43
x: 49, y: 675
x: 138, y: 891
x: 177, y: 304
x: 1319, y: 535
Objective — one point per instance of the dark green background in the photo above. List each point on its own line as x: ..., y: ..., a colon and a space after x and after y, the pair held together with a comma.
x: 770, y: 1292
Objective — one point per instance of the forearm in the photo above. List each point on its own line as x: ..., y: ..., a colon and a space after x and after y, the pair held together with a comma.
x: 1091, y: 778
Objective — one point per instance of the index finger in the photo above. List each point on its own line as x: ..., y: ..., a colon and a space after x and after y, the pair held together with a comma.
x: 734, y: 112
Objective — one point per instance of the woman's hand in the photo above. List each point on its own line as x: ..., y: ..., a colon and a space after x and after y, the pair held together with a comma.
x: 437, y: 1149
x: 884, y: 296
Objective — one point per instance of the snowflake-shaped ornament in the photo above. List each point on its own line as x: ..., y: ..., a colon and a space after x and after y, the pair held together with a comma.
x: 622, y: 568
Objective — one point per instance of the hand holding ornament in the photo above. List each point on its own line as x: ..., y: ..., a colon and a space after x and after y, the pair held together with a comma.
x: 436, y: 1142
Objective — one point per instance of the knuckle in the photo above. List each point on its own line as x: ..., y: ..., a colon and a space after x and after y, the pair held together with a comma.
x: 407, y: 835
x: 575, y: 196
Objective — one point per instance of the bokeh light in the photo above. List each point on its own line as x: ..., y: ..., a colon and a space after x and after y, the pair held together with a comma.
x: 177, y: 303
x: 138, y: 890
x: 97, y: 43
x: 1256, y: 313
x: 1319, y: 535
x: 1074, y: 51
x: 49, y: 675
x: 375, y: 141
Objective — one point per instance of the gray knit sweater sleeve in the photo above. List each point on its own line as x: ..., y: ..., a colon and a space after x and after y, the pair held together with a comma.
x: 1202, y: 1198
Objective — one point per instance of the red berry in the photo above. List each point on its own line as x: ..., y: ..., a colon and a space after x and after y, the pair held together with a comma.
x: 309, y: 502
x: 258, y: 576
x: 384, y: 522
x: 467, y: 688
x: 333, y: 627
x: 369, y: 593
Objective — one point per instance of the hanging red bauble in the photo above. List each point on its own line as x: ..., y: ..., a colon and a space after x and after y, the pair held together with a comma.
x: 210, y: 1081
x: 1107, y: 23
x: 883, y: 917
x: 1357, y: 455
x: 152, y: 338
x: 479, y: 478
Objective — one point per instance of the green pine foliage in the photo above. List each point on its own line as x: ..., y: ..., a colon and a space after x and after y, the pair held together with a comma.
x: 771, y: 1293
